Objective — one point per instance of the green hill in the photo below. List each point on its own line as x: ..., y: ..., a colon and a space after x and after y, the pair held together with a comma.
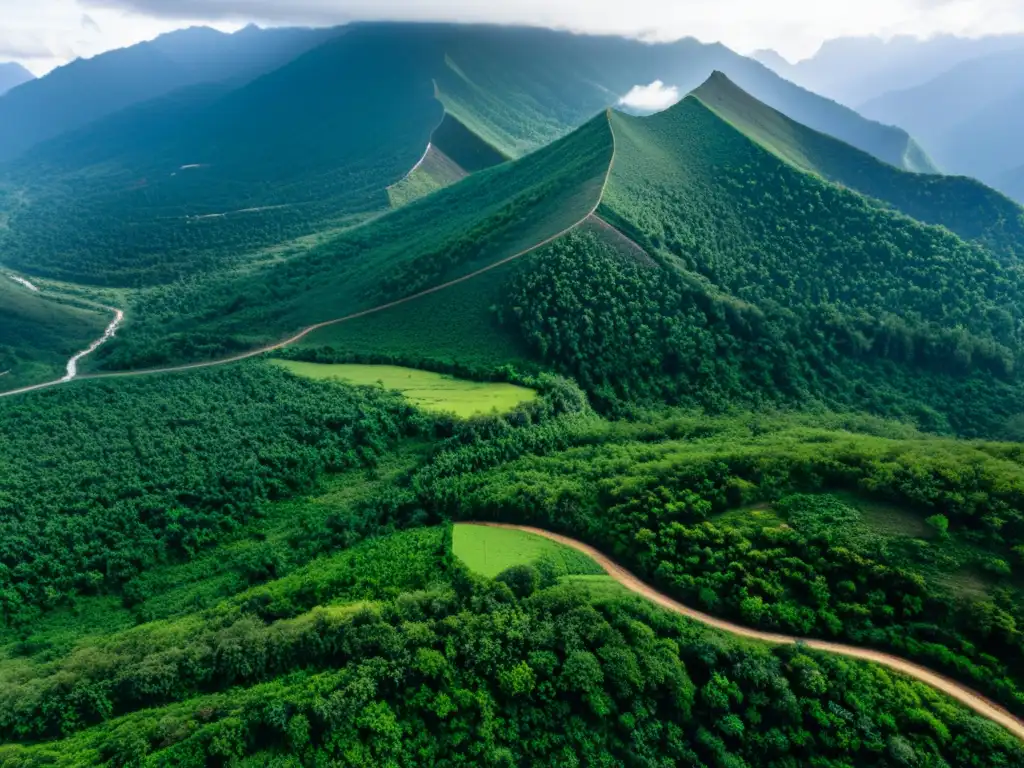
x: 454, y: 152
x: 204, y: 176
x: 487, y: 218
x: 38, y: 335
x: 743, y: 280
x: 963, y: 205
x: 201, y: 177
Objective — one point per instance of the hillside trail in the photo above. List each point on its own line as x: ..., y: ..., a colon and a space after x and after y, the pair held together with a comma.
x: 969, y: 698
x: 71, y: 369
x: 591, y: 215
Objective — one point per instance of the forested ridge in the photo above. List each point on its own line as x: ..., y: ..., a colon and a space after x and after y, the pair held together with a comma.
x: 766, y: 372
x: 102, y: 481
x: 753, y: 518
x: 963, y: 205
x: 491, y: 215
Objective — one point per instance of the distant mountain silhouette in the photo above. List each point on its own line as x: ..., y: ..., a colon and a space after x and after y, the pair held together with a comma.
x: 1012, y: 184
x: 855, y: 70
x: 12, y: 75
x: 968, y: 118
x: 87, y: 89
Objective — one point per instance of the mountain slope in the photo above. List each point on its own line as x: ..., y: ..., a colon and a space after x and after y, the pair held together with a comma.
x: 744, y: 281
x: 963, y: 205
x: 197, y: 178
x: 453, y: 154
x: 88, y: 89
x: 689, y: 153
x: 855, y: 70
x: 522, y: 88
x: 12, y: 75
x: 488, y: 217
x: 966, y: 116
x: 38, y: 335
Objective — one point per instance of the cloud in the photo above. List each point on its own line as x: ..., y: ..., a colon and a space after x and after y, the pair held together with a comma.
x: 89, y: 23
x: 650, y: 98
x: 22, y: 47
x: 795, y: 28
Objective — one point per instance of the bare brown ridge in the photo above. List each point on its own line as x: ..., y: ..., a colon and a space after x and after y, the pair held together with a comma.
x: 969, y: 698
x: 354, y: 316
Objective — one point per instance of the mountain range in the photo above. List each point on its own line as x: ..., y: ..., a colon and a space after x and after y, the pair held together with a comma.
x: 729, y: 207
x: 88, y: 89
x: 12, y: 75
x: 330, y: 133
x: 969, y: 117
x: 343, y: 374
x: 855, y: 70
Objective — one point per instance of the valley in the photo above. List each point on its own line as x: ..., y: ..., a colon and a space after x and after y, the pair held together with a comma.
x: 402, y: 394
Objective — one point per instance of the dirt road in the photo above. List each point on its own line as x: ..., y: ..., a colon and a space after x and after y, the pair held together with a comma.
x: 591, y: 214
x: 961, y: 693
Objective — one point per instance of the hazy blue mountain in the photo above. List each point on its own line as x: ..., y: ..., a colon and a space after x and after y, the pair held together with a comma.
x: 87, y: 89
x: 968, y: 118
x: 1012, y: 183
x: 559, y: 81
x: 854, y: 70
x: 12, y: 75
x: 326, y: 135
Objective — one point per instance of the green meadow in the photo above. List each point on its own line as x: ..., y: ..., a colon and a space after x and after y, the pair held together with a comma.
x: 489, y: 551
x: 429, y: 391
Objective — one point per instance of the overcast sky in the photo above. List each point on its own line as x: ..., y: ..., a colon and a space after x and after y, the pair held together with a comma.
x: 45, y: 33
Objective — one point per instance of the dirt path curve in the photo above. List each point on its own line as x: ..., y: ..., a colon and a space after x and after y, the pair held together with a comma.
x: 71, y: 370
x: 356, y: 315
x: 961, y: 693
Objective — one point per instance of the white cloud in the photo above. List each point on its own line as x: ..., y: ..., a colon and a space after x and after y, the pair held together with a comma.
x: 795, y: 28
x: 651, y: 98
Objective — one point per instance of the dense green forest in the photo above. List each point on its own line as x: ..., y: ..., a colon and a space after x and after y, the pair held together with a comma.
x: 763, y: 370
x: 692, y: 189
x: 102, y: 481
x: 889, y: 539
x: 465, y: 673
x: 490, y: 216
x: 630, y: 331
x: 963, y: 205
x: 236, y: 547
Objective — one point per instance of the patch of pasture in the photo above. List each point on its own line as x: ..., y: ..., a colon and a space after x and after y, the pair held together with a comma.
x: 489, y: 551
x: 430, y: 391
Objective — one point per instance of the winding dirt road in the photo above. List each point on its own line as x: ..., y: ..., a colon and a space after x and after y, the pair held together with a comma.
x: 591, y: 215
x: 961, y: 693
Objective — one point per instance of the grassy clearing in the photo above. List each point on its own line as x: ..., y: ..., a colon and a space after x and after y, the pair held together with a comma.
x: 889, y: 519
x: 453, y: 327
x: 489, y: 551
x: 429, y: 391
